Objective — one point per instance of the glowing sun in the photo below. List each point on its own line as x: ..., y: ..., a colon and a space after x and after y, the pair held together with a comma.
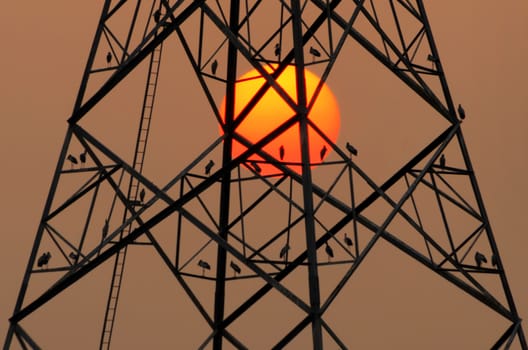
x: 271, y: 111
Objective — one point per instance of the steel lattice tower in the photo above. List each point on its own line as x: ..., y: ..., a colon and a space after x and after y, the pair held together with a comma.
x: 336, y: 211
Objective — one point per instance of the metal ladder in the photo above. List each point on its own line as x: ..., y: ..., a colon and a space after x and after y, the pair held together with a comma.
x: 133, y: 191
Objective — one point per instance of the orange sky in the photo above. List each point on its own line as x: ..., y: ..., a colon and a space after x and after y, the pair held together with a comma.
x: 484, y: 51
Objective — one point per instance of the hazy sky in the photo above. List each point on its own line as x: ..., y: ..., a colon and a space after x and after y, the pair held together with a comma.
x: 45, y: 46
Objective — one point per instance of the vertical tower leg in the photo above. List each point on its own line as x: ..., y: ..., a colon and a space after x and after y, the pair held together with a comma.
x: 302, y: 112
x: 225, y: 191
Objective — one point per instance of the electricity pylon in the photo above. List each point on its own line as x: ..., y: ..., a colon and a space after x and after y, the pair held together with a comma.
x: 101, y: 201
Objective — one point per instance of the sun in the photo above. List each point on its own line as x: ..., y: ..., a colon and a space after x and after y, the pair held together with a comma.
x: 271, y: 111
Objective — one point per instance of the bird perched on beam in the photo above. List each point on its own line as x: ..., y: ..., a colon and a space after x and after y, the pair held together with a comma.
x: 323, y: 151
x: 480, y: 258
x: 235, y: 267
x: 214, y: 67
x: 82, y: 157
x: 348, y: 241
x: 256, y: 167
x: 204, y: 265
x: 73, y: 256
x: 442, y: 161
x: 72, y: 160
x: 157, y: 16
x: 351, y: 149
x: 329, y: 251
x: 433, y: 59
x: 104, y: 231
x: 461, y: 112
x: 314, y: 52
x: 208, y: 167
x: 281, y: 152
x: 284, y: 251
x: 44, y: 259
x: 277, y: 49
x: 494, y: 261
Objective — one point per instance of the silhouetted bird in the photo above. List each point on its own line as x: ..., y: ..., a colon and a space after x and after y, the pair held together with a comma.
x: 204, y: 265
x: 44, y: 259
x: 461, y: 112
x: 281, y: 152
x: 104, y: 231
x: 322, y: 152
x: 277, y: 49
x: 82, y: 157
x: 284, y: 251
x: 494, y: 260
x: 142, y: 195
x: 214, y: 67
x: 235, y: 267
x: 348, y: 241
x: 72, y: 160
x: 442, y: 161
x: 157, y: 16
x: 329, y: 251
x: 480, y: 258
x: 208, y: 167
x: 256, y: 167
x: 314, y: 52
x: 73, y: 256
x: 351, y: 149
x: 108, y: 57
x: 432, y: 58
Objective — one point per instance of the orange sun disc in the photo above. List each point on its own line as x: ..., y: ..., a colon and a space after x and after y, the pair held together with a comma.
x: 271, y: 111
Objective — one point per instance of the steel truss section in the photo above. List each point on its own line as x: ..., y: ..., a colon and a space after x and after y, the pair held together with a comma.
x: 329, y: 223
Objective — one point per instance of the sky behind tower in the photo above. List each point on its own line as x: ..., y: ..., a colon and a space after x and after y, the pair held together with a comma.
x: 483, y: 48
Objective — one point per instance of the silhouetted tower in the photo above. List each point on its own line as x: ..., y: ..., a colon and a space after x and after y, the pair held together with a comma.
x: 205, y: 218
